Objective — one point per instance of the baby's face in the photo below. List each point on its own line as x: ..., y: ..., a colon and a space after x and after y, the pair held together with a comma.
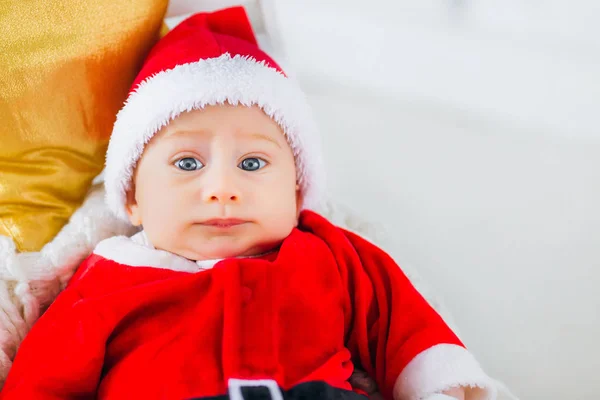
x: 216, y: 183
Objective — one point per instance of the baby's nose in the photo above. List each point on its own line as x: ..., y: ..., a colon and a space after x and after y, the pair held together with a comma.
x: 223, y: 197
x: 221, y: 189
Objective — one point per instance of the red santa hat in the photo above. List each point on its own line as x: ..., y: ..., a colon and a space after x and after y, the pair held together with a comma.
x: 208, y: 59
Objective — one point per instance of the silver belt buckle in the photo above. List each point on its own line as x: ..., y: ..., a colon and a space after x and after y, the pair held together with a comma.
x: 236, y: 385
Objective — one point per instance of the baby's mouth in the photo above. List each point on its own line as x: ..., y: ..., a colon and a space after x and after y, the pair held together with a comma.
x: 223, y: 223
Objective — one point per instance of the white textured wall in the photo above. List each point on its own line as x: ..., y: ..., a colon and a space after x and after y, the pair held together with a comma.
x: 469, y: 131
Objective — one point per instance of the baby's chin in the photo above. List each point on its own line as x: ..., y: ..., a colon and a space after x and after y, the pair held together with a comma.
x: 217, y: 251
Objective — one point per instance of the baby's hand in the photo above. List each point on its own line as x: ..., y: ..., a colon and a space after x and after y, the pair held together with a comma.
x: 451, y: 394
x: 361, y: 380
x: 455, y: 393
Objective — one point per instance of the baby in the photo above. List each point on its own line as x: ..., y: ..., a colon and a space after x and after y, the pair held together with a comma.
x: 234, y: 289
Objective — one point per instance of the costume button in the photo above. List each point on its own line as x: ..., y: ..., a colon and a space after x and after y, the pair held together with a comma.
x: 246, y: 294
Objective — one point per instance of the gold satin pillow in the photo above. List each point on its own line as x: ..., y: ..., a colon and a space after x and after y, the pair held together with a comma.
x: 65, y: 69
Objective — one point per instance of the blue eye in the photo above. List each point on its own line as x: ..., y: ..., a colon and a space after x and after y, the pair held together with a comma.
x: 252, y: 164
x: 189, y: 164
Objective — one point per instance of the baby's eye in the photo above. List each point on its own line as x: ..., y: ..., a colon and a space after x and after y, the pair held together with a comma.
x: 189, y: 164
x: 252, y: 164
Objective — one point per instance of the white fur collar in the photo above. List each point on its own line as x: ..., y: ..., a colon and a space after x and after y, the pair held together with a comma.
x: 137, y: 251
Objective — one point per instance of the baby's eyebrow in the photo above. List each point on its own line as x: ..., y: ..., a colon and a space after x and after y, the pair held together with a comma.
x: 262, y: 136
x: 180, y: 132
x: 175, y: 133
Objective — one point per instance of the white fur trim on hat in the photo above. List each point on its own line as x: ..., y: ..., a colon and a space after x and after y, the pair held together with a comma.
x: 235, y: 80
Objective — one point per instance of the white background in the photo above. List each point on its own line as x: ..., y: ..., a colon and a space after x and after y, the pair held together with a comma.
x: 469, y: 131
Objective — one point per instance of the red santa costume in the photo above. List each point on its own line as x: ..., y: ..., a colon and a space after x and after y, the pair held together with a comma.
x: 140, y: 323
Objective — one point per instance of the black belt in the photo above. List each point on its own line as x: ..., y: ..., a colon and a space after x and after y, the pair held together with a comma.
x: 268, y: 390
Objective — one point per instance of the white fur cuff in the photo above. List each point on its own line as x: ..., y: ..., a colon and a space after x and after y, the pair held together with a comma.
x: 440, y: 368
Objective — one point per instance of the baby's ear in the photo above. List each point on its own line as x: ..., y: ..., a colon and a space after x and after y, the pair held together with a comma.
x: 132, y: 208
x: 299, y: 200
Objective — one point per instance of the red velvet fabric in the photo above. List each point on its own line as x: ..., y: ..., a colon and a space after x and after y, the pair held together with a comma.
x: 203, y: 36
x: 326, y: 300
